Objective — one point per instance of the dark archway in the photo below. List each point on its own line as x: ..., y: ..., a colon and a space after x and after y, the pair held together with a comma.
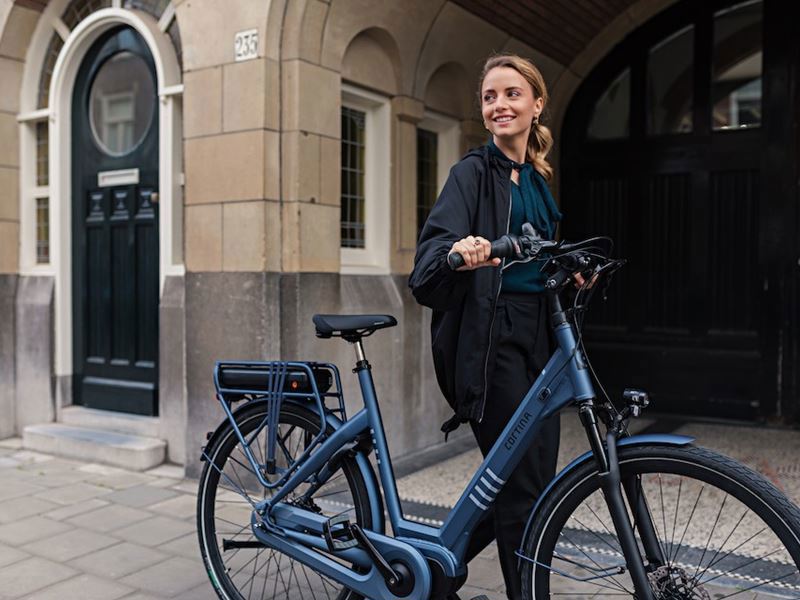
x: 681, y: 146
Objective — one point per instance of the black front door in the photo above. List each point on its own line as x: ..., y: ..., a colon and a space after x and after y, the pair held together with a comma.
x: 679, y: 146
x: 115, y: 226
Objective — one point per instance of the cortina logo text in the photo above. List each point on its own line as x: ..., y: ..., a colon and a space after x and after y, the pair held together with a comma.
x: 519, y: 428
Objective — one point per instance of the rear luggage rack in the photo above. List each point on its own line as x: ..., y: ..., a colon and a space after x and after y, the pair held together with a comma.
x: 274, y: 382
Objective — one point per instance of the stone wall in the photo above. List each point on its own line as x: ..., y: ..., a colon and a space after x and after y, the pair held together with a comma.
x: 261, y: 213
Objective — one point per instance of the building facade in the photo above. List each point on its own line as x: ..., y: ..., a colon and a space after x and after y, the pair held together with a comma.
x: 191, y: 180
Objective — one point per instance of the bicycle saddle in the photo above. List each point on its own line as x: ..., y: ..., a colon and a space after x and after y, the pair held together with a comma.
x: 351, y: 327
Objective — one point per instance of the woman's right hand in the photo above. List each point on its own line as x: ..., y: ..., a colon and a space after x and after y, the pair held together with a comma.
x: 475, y: 250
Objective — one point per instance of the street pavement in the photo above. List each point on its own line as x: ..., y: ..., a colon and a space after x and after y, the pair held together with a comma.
x: 85, y: 531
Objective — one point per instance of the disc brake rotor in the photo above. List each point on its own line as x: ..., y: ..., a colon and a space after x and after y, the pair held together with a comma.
x: 672, y: 583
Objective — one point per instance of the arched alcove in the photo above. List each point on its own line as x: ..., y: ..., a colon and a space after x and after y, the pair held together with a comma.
x: 372, y: 59
x: 448, y: 91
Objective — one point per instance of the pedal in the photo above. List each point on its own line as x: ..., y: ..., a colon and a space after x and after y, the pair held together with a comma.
x: 337, y: 533
x: 340, y: 534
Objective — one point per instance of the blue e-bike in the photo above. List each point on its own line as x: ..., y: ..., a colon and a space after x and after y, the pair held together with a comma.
x: 289, y: 505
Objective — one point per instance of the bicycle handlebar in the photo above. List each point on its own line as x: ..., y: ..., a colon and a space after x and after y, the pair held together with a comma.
x: 565, y: 258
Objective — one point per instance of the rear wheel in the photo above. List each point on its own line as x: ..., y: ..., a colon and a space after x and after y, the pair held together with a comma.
x: 228, y: 490
x: 724, y: 531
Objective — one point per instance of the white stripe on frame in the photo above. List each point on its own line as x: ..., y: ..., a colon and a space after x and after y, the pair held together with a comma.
x: 489, y: 485
x: 495, y: 477
x: 478, y: 504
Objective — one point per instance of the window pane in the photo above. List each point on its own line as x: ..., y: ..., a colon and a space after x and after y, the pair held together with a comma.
x: 669, y: 84
x: 78, y: 10
x: 42, y: 230
x: 353, y: 151
x: 610, y: 117
x: 154, y: 7
x: 42, y: 167
x: 53, y: 49
x: 427, y: 169
x: 122, y: 103
x: 736, y: 83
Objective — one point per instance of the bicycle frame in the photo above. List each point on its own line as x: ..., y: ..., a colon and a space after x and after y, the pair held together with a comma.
x: 565, y: 380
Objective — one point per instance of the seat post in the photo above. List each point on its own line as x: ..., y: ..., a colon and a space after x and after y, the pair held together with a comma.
x: 359, y: 348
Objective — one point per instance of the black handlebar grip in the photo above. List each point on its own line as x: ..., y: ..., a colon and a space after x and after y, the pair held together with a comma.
x: 455, y: 261
x: 501, y: 248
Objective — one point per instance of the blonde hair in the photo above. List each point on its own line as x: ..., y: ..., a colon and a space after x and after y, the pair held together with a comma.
x: 540, y: 140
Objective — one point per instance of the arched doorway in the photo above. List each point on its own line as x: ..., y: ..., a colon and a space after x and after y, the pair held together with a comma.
x: 665, y: 150
x: 115, y: 160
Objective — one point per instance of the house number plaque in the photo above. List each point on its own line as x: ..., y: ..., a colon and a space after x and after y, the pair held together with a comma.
x: 245, y: 44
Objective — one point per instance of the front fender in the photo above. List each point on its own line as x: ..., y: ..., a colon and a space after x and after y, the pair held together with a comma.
x: 649, y: 439
x: 334, y: 422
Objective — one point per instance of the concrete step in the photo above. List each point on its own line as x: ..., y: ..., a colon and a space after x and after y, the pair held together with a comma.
x: 108, y: 420
x: 134, y: 452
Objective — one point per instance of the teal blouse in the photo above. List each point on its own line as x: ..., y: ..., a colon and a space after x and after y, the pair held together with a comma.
x: 523, y: 277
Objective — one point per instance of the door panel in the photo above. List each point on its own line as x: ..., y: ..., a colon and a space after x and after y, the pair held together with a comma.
x: 115, y: 228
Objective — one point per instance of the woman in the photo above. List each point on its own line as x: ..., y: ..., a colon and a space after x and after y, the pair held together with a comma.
x: 489, y: 331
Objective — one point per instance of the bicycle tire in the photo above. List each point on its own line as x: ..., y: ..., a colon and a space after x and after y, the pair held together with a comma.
x: 562, y: 549
x: 274, y: 575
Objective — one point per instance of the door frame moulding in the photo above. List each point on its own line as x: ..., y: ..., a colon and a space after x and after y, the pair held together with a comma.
x: 169, y: 90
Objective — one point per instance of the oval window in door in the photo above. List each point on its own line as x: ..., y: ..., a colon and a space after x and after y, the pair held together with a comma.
x: 121, y: 103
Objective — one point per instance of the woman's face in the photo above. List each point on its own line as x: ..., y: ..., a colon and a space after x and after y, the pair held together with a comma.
x: 508, y: 104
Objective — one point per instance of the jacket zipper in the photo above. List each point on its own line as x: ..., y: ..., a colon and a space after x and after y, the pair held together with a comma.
x: 491, y: 323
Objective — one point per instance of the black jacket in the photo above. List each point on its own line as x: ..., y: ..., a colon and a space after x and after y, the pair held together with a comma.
x: 476, y: 200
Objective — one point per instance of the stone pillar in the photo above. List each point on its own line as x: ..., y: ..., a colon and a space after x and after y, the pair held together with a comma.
x: 34, y: 351
x: 406, y: 114
x: 8, y: 376
x: 17, y: 23
x: 232, y: 207
x: 310, y: 153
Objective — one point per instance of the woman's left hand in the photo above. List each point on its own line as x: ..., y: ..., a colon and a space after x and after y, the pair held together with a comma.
x: 580, y: 281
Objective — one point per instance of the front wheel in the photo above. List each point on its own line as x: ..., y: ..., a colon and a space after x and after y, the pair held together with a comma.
x: 723, y: 530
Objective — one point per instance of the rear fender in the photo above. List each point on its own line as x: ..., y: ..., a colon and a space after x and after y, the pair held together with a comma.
x: 364, y: 466
x: 654, y: 439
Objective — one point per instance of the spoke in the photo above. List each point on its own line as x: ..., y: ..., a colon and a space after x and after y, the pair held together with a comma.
x: 266, y: 577
x: 616, y: 583
x: 234, y: 534
x: 675, y: 520
x: 713, y: 560
x: 243, y: 493
x: 241, y: 484
x: 754, y: 586
x: 255, y: 570
x: 239, y: 570
x: 663, y: 511
x: 311, y: 587
x: 732, y: 550
x: 691, y: 515
x: 599, y: 537
x: 745, y: 564
x: 652, y: 518
x: 710, y: 535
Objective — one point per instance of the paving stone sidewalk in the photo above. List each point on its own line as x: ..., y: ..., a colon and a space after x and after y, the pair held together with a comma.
x: 85, y: 531
x: 82, y: 531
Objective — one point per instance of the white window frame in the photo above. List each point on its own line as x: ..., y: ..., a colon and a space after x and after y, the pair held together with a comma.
x: 30, y: 191
x: 373, y: 259
x: 448, y: 131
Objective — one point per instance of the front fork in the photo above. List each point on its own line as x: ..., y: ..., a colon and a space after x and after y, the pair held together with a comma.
x: 612, y: 488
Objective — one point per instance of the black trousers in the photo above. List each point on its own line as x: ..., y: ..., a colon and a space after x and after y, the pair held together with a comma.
x: 520, y: 352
